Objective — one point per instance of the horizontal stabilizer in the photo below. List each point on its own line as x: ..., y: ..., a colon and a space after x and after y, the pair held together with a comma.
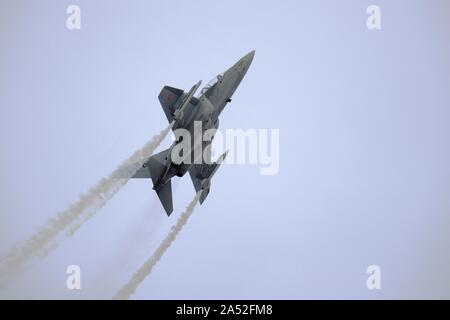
x: 142, y: 172
x: 155, y: 168
x: 157, y: 165
x: 165, y: 196
x: 204, y: 195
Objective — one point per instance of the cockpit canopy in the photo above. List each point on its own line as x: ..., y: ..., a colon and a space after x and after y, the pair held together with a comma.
x: 211, y: 83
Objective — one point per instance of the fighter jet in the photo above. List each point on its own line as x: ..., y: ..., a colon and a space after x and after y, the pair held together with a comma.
x: 185, y: 111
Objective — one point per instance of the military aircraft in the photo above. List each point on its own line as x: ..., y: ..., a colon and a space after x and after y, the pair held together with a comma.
x: 184, y: 111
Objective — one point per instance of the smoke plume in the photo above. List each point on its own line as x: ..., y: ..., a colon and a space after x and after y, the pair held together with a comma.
x: 129, y: 288
x: 50, y: 234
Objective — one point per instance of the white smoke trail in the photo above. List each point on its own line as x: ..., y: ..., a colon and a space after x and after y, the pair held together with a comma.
x: 45, y: 239
x: 129, y: 288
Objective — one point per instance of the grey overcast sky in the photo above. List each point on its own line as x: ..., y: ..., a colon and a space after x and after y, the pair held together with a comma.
x: 364, y: 126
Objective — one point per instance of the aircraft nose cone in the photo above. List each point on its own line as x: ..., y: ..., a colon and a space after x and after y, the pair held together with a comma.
x: 250, y: 55
x: 249, y: 58
x: 242, y: 65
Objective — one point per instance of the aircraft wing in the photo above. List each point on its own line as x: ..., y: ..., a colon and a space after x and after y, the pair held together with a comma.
x: 201, y: 175
x: 198, y: 171
x: 169, y: 98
